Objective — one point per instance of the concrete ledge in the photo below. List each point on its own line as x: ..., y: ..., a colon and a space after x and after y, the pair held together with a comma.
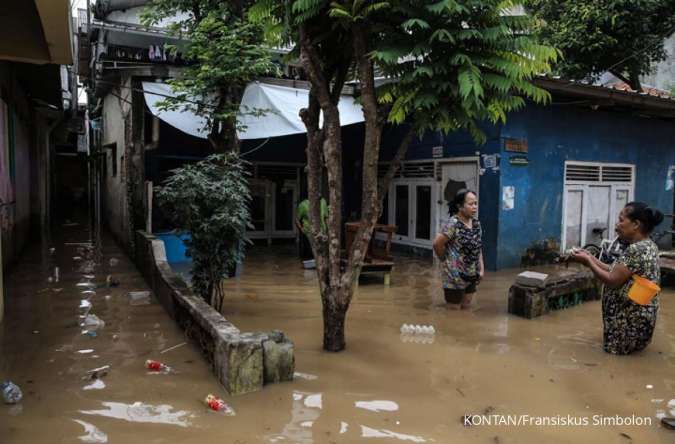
x: 559, y: 291
x: 243, y: 362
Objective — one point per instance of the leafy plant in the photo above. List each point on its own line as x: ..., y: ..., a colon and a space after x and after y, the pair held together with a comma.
x: 445, y: 65
x: 226, y: 51
x: 625, y: 37
x: 210, y: 201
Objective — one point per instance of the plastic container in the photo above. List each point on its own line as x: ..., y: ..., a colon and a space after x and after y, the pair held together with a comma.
x: 11, y: 393
x: 643, y: 290
x: 218, y: 405
x: 411, y: 329
x: 156, y: 366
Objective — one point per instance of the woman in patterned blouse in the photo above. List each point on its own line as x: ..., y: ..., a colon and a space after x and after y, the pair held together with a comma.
x: 628, y: 327
x: 459, y: 247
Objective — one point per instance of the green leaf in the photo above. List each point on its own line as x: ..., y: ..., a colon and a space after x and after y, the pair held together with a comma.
x: 414, y: 23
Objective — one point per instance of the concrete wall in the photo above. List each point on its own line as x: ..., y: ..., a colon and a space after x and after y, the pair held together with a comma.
x: 242, y: 362
x: 24, y: 168
x: 461, y: 145
x: 556, y: 134
x: 16, y: 146
x: 116, y: 119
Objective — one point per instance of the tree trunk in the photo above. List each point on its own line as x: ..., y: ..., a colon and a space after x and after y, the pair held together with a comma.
x: 334, y: 316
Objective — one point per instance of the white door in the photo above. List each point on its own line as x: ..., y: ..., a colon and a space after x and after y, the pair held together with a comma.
x: 574, y: 217
x: 591, y: 211
x: 412, y: 210
x: 399, y: 210
x: 593, y: 196
x: 284, y: 203
x: 598, y: 202
x: 423, y: 212
x: 261, y: 198
x: 455, y: 175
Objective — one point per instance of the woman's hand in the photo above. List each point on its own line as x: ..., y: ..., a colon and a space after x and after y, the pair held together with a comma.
x: 581, y: 256
x: 481, y: 274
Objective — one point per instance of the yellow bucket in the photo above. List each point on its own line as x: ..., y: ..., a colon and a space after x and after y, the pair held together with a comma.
x: 643, y: 290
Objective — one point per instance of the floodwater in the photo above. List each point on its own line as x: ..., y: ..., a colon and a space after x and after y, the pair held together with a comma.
x: 384, y: 388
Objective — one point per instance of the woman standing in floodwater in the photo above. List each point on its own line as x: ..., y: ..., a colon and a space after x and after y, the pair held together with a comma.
x: 459, y: 247
x: 628, y: 327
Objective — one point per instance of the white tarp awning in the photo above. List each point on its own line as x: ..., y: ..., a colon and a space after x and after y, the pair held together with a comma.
x: 282, y: 103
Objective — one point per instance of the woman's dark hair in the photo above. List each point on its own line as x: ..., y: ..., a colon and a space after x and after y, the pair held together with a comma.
x: 456, y: 203
x: 643, y: 213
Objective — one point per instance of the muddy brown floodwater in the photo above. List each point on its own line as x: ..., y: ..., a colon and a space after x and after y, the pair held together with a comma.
x: 385, y: 387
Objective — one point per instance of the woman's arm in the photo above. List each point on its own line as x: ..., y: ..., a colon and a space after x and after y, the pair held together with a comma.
x: 618, y: 276
x: 439, y: 245
x: 599, y: 263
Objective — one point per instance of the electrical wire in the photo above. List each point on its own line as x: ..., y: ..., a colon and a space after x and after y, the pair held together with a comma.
x: 256, y: 148
x: 659, y: 42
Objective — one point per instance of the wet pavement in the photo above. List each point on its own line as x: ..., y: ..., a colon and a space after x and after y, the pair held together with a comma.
x: 385, y: 387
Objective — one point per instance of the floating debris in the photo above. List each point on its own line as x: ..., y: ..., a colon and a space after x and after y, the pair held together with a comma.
x: 97, y: 373
x: 668, y: 423
x: 139, y: 297
x: 157, y: 366
x: 173, y: 348
x: 218, y: 405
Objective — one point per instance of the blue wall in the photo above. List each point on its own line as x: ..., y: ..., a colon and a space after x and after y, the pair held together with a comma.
x: 461, y: 144
x: 559, y: 133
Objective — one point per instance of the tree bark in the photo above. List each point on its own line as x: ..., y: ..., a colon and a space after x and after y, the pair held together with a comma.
x: 371, y: 155
x: 334, y: 316
x: 327, y: 248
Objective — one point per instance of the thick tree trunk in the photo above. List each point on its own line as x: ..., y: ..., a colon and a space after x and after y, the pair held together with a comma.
x: 334, y: 316
x: 335, y: 295
x: 223, y: 136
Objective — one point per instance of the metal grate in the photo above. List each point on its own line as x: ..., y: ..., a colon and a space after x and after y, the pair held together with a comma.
x: 598, y: 173
x: 617, y: 174
x: 409, y: 169
x: 417, y: 169
x: 582, y: 173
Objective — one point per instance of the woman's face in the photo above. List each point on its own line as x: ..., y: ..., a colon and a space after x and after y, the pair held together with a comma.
x: 625, y: 227
x: 470, y: 207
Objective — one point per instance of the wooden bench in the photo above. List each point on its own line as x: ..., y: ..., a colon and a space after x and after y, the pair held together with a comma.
x: 562, y: 290
x: 378, y: 259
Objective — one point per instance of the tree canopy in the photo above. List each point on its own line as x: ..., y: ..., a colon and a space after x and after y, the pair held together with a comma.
x: 445, y: 65
x: 625, y: 37
x: 225, y: 52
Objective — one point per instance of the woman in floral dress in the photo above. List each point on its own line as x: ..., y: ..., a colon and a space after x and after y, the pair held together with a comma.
x: 628, y: 326
x: 459, y: 246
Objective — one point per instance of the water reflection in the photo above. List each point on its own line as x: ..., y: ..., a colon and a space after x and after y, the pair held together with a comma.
x: 92, y: 433
x: 377, y: 406
x: 145, y: 413
x: 95, y: 385
x: 367, y: 432
x: 305, y: 410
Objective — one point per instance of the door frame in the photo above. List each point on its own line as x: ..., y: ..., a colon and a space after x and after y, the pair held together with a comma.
x: 285, y: 234
x: 412, y: 184
x: 436, y: 183
x: 440, y: 215
x: 583, y: 186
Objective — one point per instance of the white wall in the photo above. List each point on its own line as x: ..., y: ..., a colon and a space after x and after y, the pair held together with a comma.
x: 116, y: 209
